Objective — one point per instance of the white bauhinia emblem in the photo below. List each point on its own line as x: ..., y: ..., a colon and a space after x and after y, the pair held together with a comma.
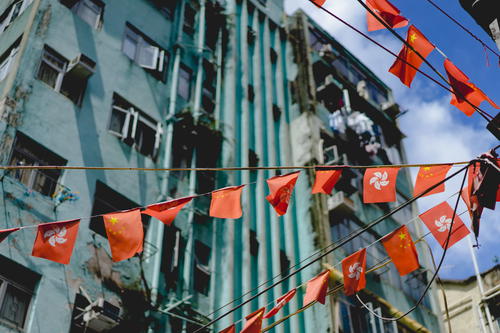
x: 355, y: 271
x: 286, y: 193
x: 379, y: 179
x: 56, y: 235
x: 443, y: 223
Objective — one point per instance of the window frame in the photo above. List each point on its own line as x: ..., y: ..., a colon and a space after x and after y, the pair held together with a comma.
x: 9, y: 18
x: 77, y: 8
x: 60, y: 71
x: 185, y: 69
x: 5, y: 65
x: 5, y: 283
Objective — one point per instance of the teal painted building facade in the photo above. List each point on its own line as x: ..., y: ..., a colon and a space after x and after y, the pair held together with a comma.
x: 177, y: 84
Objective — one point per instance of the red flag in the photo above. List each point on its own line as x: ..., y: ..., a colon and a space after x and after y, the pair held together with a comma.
x: 353, y: 268
x: 317, y: 288
x: 319, y: 2
x: 254, y: 322
x: 281, y: 302
x: 168, y: 210
x: 281, y: 188
x: 400, y: 68
x: 402, y: 251
x: 387, y: 12
x: 125, y: 233
x: 6, y: 232
x: 230, y: 329
x: 55, y: 241
x: 429, y: 176
x: 438, y: 221
x: 226, y: 203
x: 326, y: 180
x: 379, y: 185
x: 463, y: 89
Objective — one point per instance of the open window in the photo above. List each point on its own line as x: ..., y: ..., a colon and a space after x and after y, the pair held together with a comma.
x: 201, y: 268
x: 7, y: 59
x: 184, y: 84
x: 135, y: 128
x: 144, y: 52
x: 173, y: 250
x: 189, y: 18
x: 66, y: 77
x: 12, y: 12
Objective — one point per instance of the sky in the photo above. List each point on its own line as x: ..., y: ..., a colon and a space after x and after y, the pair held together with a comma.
x: 435, y: 130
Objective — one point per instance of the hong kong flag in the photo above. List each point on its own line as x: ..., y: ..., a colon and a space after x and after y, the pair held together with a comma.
x: 226, y: 203
x: 254, y: 322
x: 6, y: 232
x: 317, y: 288
x: 354, y: 268
x: 281, y: 302
x: 379, y: 185
x: 55, y: 241
x: 125, y: 233
x: 326, y: 180
x: 438, y: 221
x: 428, y: 176
x: 281, y: 188
x: 168, y: 210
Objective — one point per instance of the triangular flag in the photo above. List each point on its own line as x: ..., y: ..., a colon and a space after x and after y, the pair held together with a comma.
x: 281, y: 188
x: 354, y: 269
x: 319, y: 2
x: 401, y: 68
x: 387, y: 12
x: 55, y: 241
x: 168, y: 210
x: 379, y: 185
x: 254, y: 322
x: 281, y: 302
x: 464, y: 90
x: 402, y: 250
x: 125, y: 233
x: 326, y: 180
x: 6, y: 232
x: 230, y: 329
x: 226, y: 203
x: 438, y: 221
x: 429, y: 176
x: 317, y: 288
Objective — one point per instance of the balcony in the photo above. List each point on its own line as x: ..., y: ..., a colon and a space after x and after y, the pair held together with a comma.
x: 341, y: 203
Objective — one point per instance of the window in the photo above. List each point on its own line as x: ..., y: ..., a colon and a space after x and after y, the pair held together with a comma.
x: 107, y: 200
x: 144, y: 52
x: 184, y: 84
x: 12, y: 12
x: 201, y: 268
x: 284, y: 264
x: 68, y: 78
x: 28, y: 152
x: 17, y: 285
x: 91, y: 11
x: 166, y: 7
x: 189, y: 19
x: 254, y: 243
x: 7, y: 59
x: 173, y: 250
x: 135, y: 128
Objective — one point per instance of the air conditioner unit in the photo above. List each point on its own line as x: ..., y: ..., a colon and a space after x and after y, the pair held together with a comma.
x: 339, y: 202
x: 101, y: 315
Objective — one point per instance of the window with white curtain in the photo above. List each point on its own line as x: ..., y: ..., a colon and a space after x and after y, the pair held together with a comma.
x: 7, y: 59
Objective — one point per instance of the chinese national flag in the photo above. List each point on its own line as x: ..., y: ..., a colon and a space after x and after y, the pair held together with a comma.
x: 125, y: 233
x: 230, y: 329
x: 438, y: 221
x: 326, y: 180
x: 55, y: 241
x: 281, y: 188
x: 379, y: 185
x: 6, y: 232
x: 429, y: 176
x: 387, y: 12
x: 462, y: 88
x: 400, y: 68
x: 402, y: 251
x: 254, y: 322
x: 317, y: 288
x: 226, y: 203
x: 281, y: 302
x: 353, y: 268
x: 168, y: 210
x: 319, y: 2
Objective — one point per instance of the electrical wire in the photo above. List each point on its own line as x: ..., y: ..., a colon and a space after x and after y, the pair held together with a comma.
x: 338, y: 245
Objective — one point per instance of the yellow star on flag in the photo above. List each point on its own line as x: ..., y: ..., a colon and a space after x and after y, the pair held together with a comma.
x: 413, y: 37
x: 402, y: 236
x: 113, y: 220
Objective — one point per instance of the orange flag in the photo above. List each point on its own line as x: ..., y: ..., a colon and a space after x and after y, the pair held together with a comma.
x: 387, y: 12
x: 317, y: 288
x: 400, y: 68
x: 281, y: 188
x: 402, y: 251
x: 353, y: 269
x: 230, y: 329
x: 226, y: 203
x: 125, y: 233
x: 254, y: 322
x: 326, y: 180
x: 438, y: 221
x: 281, y: 302
x: 319, y: 2
x: 462, y: 88
x: 429, y: 176
x: 168, y: 210
x: 6, y: 232
x: 55, y: 241
x: 379, y: 185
